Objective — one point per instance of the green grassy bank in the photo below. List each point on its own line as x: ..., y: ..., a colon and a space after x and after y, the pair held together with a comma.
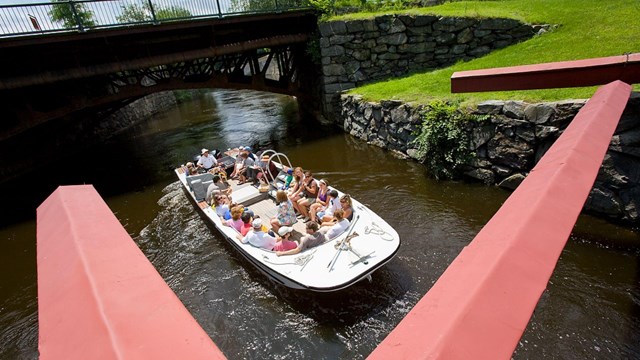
x: 586, y: 29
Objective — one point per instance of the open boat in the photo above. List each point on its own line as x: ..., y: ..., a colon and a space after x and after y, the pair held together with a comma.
x: 331, y: 266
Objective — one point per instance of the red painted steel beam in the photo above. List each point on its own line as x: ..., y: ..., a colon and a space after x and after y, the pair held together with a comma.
x: 481, y: 304
x: 588, y: 72
x: 98, y: 295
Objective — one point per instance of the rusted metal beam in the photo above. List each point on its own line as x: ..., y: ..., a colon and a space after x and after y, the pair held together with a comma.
x: 49, y: 77
x: 480, y: 306
x: 578, y: 73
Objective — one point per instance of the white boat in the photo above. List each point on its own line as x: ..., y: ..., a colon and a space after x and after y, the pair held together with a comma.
x: 332, y: 266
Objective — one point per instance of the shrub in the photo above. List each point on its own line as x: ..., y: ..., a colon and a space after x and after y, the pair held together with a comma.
x: 442, y: 139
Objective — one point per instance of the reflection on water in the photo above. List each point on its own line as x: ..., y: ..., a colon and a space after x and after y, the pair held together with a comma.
x: 590, y: 309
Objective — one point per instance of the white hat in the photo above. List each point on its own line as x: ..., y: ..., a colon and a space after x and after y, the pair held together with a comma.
x: 284, y: 230
x: 203, y: 151
x: 257, y: 223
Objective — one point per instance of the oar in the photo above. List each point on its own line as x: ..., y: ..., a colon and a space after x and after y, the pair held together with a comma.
x: 339, y: 250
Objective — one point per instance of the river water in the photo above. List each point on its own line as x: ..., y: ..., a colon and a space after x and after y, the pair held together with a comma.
x: 590, y: 310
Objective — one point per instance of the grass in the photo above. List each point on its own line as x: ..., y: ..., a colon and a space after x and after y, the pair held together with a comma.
x: 587, y: 29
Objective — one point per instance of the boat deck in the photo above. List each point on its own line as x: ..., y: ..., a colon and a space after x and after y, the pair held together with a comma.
x: 262, y: 205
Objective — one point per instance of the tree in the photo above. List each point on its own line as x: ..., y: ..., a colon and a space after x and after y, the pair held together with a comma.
x: 136, y: 13
x: 64, y: 13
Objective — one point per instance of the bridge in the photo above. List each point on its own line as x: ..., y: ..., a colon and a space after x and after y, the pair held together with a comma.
x: 98, y: 55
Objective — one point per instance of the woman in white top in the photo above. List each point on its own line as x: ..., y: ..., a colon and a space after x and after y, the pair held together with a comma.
x: 333, y: 229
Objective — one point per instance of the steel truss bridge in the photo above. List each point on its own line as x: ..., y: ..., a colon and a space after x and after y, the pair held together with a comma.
x: 56, y: 71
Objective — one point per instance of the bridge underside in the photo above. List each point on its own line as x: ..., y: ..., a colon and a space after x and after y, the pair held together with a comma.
x: 109, y: 68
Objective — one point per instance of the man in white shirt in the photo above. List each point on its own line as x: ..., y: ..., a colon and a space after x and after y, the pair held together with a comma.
x: 206, y: 161
x: 257, y: 237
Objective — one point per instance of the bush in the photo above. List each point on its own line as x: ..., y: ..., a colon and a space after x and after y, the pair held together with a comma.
x: 443, y: 141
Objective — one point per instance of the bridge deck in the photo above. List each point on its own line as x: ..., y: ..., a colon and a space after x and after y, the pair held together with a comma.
x: 480, y: 306
x: 98, y: 295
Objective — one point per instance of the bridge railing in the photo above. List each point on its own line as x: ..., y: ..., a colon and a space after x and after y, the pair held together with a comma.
x: 85, y: 15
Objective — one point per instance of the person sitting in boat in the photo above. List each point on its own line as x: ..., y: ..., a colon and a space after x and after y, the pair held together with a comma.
x: 235, y: 174
x: 313, y: 238
x: 247, y: 218
x: 296, y: 185
x: 221, y: 204
x: 325, y: 213
x: 347, y: 206
x: 253, y: 171
x: 333, y: 229
x: 285, y: 215
x: 289, y: 179
x: 246, y: 165
x: 308, y: 196
x: 257, y: 237
x: 283, y: 242
x: 235, y: 221
x: 188, y: 167
x: 318, y: 203
x: 206, y: 161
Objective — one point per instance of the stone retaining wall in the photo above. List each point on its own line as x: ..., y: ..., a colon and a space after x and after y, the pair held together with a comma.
x: 511, y: 142
x: 357, y: 51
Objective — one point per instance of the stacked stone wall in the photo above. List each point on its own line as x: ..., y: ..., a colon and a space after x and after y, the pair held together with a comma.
x: 511, y: 141
x: 358, y: 51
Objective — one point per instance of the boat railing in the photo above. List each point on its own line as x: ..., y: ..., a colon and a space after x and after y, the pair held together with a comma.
x: 280, y: 161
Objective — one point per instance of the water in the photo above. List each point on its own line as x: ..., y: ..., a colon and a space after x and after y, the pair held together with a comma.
x: 590, y: 310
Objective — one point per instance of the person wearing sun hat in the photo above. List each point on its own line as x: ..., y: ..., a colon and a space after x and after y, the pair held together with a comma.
x: 206, y: 161
x: 283, y: 242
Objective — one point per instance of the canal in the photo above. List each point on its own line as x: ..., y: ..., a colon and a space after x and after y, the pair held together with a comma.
x: 591, y: 308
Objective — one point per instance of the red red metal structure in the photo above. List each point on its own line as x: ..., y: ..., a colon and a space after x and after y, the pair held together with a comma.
x: 481, y: 305
x: 98, y: 295
x: 578, y: 73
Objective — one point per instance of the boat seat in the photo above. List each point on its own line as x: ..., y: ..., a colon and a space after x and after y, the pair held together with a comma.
x: 199, y: 191
x: 247, y: 195
x: 201, y: 177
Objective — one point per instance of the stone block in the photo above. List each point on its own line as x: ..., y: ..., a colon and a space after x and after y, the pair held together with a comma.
x: 465, y: 36
x: 451, y: 24
x: 539, y: 113
x: 333, y: 70
x: 445, y: 38
x: 340, y: 39
x: 514, y: 109
x: 512, y: 182
x: 498, y: 24
x: 355, y: 26
x: 332, y: 28
x: 393, y: 39
x: 335, y: 50
x: 424, y: 20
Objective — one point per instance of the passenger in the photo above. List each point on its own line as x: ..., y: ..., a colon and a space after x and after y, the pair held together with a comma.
x: 296, y: 185
x: 313, y: 238
x: 283, y: 242
x: 309, y: 194
x: 247, y: 163
x: 206, y: 161
x: 347, y: 206
x: 247, y: 218
x: 187, y: 169
x: 235, y: 221
x: 253, y: 171
x: 257, y: 237
x: 313, y: 205
x: 289, y: 179
x: 221, y: 205
x: 333, y: 230
x: 325, y: 213
x: 193, y: 171
x: 238, y: 165
x: 285, y: 215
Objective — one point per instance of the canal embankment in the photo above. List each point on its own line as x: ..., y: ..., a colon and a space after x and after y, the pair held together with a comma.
x: 513, y: 135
